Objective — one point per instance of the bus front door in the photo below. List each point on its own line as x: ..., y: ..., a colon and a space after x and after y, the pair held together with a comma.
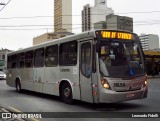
x: 85, y: 71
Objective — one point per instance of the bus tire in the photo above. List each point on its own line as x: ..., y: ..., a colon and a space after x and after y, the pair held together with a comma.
x: 18, y: 86
x: 66, y: 93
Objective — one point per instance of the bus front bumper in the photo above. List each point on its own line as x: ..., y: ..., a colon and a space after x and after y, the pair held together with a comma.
x: 110, y: 96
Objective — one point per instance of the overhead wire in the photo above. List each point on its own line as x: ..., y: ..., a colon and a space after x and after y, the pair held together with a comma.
x: 10, y: 27
x: 5, y: 5
x: 147, y: 12
x: 136, y: 23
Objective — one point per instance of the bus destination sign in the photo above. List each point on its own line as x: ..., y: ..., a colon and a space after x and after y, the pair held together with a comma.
x: 114, y: 35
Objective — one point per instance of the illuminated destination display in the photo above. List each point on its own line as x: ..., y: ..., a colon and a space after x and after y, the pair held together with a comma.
x: 115, y: 35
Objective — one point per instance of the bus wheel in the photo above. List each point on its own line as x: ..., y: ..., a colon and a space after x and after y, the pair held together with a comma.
x: 66, y: 93
x: 18, y: 86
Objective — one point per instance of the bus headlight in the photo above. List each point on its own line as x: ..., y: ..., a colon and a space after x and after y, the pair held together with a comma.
x: 145, y: 82
x: 105, y: 84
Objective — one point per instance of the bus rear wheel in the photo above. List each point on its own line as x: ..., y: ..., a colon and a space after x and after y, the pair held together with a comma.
x: 66, y: 93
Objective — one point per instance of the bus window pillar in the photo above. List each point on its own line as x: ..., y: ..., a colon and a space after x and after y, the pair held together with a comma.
x: 153, y: 66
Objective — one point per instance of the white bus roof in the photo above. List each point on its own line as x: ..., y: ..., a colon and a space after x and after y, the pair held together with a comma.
x: 82, y: 35
x: 87, y: 34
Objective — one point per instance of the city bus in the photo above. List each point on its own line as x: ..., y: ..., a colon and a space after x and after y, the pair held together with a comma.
x: 99, y: 66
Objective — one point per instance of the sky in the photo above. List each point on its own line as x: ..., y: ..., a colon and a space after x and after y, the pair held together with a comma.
x: 22, y: 20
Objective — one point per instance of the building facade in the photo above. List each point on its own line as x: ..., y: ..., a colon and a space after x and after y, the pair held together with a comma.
x: 62, y: 15
x: 62, y: 22
x: 116, y: 22
x: 50, y: 36
x: 86, y: 18
x: 100, y: 25
x: 3, y: 59
x: 91, y: 15
x: 44, y: 38
x: 149, y: 41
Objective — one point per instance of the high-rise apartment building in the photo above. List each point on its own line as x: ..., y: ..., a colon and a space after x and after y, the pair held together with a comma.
x: 62, y: 15
x: 62, y: 22
x: 91, y: 15
x: 86, y: 18
x: 149, y: 41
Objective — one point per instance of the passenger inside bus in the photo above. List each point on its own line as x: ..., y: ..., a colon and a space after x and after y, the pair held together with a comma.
x: 103, y: 64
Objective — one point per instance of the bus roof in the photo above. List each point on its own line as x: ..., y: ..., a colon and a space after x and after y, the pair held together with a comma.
x: 58, y: 41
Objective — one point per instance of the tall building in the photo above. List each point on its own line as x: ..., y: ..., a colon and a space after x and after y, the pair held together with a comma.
x: 62, y: 22
x: 91, y: 15
x: 62, y: 15
x: 149, y: 41
x: 86, y: 18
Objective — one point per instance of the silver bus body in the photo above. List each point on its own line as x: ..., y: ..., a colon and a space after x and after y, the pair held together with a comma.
x: 86, y: 85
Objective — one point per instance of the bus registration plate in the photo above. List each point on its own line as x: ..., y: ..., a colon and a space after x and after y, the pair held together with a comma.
x: 130, y: 95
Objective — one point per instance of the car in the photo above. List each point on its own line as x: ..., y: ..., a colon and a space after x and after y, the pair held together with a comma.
x: 2, y: 75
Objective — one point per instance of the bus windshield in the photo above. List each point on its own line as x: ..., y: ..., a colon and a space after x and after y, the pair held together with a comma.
x: 121, y: 59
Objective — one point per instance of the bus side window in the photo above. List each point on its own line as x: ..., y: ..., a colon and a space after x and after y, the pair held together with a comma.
x: 29, y: 59
x: 94, y: 60
x: 51, y: 56
x: 21, y: 60
x: 68, y: 53
x: 86, y: 59
x: 14, y: 61
x: 39, y: 57
x: 8, y: 62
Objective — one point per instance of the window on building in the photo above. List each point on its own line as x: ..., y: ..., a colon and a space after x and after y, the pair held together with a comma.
x: 3, y: 57
x: 1, y: 62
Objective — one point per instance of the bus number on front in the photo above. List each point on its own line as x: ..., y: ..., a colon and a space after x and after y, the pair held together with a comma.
x: 119, y: 84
